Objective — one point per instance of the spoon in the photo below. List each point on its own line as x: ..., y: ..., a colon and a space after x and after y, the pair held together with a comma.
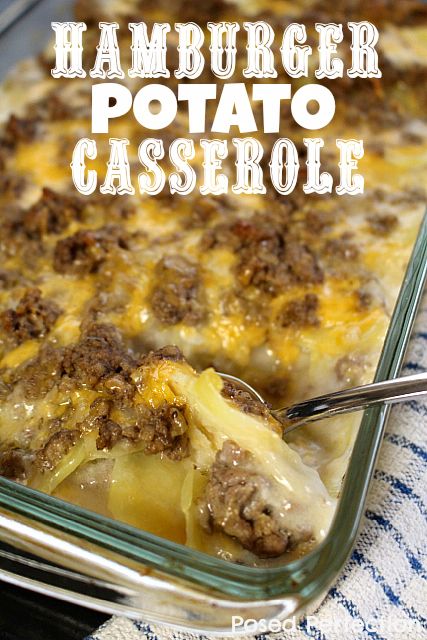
x: 339, y: 402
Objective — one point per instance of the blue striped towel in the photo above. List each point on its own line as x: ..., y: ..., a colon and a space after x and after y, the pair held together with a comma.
x: 382, y: 591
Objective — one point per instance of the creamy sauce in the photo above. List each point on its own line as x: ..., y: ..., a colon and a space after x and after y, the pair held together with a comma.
x: 288, y: 362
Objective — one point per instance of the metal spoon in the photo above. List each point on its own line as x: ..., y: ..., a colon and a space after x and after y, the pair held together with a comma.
x: 332, y: 404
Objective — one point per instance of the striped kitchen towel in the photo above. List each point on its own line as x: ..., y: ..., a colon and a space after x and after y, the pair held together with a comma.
x: 382, y: 592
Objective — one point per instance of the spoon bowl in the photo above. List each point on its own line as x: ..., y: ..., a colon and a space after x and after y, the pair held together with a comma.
x: 339, y: 402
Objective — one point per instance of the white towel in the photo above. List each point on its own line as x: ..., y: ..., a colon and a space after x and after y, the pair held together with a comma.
x: 382, y: 592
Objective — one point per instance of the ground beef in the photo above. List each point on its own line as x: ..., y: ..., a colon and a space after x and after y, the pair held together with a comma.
x: 169, y: 352
x: 234, y: 503
x: 104, y: 303
x: 32, y: 318
x: 377, y: 11
x: 382, y: 225
x: 52, y: 108
x: 109, y: 432
x: 85, y: 251
x: 15, y: 243
x: 15, y: 463
x: 263, y: 270
x: 185, y: 10
x: 52, y: 213
x: 4, y: 389
x: 164, y: 430
x: 108, y: 435
x: 201, y: 12
x: 270, y: 258
x: 364, y: 299
x: 58, y: 445
x: 301, y: 312
x: 11, y: 184
x: 241, y: 235
x: 100, y: 359
x: 18, y: 130
x: 319, y: 221
x: 207, y: 208
x: 119, y: 207
x: 99, y: 413
x: 159, y: 430
x: 342, y: 248
x: 244, y: 400
x: 9, y: 278
x: 303, y: 263
x: 363, y: 98
x: 100, y: 408
x: 272, y: 271
x: 177, y: 295
x: 83, y: 13
x: 41, y: 374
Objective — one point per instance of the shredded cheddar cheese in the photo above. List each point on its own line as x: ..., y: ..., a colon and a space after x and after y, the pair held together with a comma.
x: 294, y: 295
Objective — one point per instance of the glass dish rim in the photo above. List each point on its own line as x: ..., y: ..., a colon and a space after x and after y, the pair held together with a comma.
x: 307, y: 576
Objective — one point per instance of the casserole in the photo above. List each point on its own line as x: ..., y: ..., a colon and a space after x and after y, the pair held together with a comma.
x: 253, y: 589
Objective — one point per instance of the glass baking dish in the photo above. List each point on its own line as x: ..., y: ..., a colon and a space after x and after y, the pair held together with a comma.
x: 56, y: 548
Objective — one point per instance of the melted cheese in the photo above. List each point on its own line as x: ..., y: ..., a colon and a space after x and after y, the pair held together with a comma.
x: 154, y: 492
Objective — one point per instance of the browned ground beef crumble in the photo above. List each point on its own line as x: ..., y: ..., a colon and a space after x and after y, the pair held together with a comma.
x: 287, y: 245
x: 33, y: 317
x: 52, y: 213
x: 98, y: 357
x: 383, y: 225
x: 300, y: 312
x: 58, y: 445
x: 234, y: 502
x: 85, y: 251
x: 177, y: 295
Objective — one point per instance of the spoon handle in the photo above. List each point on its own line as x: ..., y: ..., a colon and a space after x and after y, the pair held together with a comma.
x: 332, y: 404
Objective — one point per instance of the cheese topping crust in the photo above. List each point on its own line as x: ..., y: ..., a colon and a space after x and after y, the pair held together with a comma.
x: 292, y: 294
